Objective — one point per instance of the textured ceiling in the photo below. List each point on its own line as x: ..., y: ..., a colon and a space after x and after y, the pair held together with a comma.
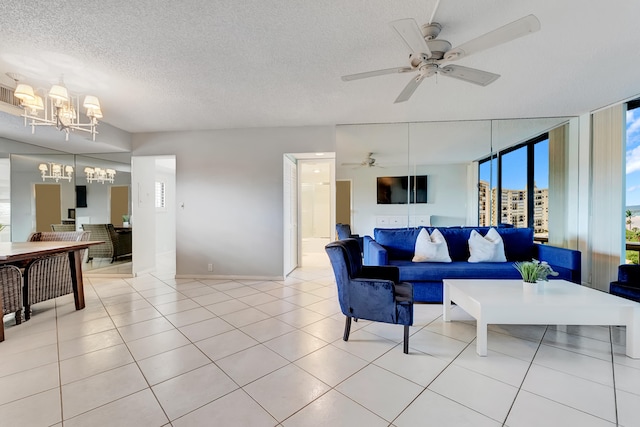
x: 212, y: 64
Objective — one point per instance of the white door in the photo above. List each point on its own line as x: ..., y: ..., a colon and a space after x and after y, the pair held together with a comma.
x: 290, y: 215
x: 143, y: 213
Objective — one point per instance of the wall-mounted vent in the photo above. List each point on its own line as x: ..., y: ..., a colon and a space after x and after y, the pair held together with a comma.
x: 9, y: 103
x: 6, y: 96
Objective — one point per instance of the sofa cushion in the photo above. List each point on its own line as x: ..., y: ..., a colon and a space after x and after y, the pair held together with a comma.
x: 488, y: 248
x: 425, y: 272
x: 518, y: 243
x: 400, y: 243
x: 431, y: 248
x: 458, y: 241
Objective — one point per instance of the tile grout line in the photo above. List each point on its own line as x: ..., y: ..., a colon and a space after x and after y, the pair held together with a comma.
x: 504, y: 423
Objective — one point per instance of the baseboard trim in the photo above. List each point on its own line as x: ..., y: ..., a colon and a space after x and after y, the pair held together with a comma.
x: 227, y: 277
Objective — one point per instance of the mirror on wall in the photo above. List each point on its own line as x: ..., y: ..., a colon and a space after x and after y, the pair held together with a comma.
x: 440, y: 158
x: 104, y: 193
x: 52, y: 188
x: 365, y: 153
x: 42, y: 192
x: 441, y: 152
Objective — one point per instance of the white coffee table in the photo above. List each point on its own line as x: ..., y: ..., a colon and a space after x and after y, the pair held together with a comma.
x: 559, y: 303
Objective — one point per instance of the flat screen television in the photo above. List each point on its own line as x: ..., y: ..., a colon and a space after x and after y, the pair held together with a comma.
x: 81, y: 196
x: 399, y: 189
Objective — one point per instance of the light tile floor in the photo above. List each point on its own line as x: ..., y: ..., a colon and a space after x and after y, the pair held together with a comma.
x: 156, y: 351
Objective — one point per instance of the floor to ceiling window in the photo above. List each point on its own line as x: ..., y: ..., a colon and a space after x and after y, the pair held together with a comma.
x: 520, y: 175
x: 632, y: 194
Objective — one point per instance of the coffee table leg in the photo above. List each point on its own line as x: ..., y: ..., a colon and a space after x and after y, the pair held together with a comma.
x: 481, y: 338
x: 446, y: 303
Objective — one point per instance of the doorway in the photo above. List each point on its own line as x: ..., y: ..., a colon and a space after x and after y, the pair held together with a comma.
x: 153, y: 214
x: 309, y: 209
x: 316, y: 207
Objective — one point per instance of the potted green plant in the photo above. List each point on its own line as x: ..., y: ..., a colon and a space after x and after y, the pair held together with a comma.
x: 125, y: 220
x: 534, y: 271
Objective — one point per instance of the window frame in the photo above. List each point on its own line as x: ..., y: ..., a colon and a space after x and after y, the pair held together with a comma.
x: 530, y: 146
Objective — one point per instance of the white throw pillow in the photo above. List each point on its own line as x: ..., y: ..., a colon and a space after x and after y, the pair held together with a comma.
x: 431, y: 248
x: 489, y: 248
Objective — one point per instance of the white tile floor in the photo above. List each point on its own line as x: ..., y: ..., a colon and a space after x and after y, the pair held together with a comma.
x: 155, y: 351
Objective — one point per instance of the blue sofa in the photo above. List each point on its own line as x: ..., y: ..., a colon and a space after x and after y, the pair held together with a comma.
x: 396, y: 247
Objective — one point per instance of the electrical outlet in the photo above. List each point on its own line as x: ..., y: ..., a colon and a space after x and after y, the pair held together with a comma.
x: 210, y: 267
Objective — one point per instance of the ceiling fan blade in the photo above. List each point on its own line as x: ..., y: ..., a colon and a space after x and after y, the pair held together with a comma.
x: 512, y: 31
x: 409, y: 89
x: 470, y: 75
x: 376, y: 73
x: 411, y: 35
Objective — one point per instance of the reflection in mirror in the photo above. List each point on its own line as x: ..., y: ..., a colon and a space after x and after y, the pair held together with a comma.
x: 5, y: 199
x: 364, y: 153
x: 42, y: 192
x: 104, y: 197
x: 443, y: 151
x: 530, y: 157
x: 448, y: 154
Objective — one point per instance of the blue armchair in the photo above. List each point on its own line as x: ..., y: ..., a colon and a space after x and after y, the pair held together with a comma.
x: 344, y: 232
x: 628, y: 283
x: 367, y: 292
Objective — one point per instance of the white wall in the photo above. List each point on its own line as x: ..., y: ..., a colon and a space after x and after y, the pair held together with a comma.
x: 231, y: 184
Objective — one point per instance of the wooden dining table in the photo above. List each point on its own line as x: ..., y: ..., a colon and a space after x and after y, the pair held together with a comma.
x: 11, y: 252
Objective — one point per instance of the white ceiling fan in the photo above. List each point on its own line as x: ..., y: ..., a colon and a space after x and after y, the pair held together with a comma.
x: 369, y: 162
x: 428, y: 54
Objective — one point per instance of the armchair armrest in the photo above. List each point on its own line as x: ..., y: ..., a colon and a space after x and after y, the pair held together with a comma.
x: 567, y: 262
x: 377, y: 254
x: 372, y: 299
x: 386, y: 272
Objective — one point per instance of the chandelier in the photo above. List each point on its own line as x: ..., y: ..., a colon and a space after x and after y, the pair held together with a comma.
x: 59, y: 108
x: 100, y: 175
x: 55, y: 171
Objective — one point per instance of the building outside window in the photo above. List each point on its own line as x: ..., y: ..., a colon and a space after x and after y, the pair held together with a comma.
x: 521, y: 176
